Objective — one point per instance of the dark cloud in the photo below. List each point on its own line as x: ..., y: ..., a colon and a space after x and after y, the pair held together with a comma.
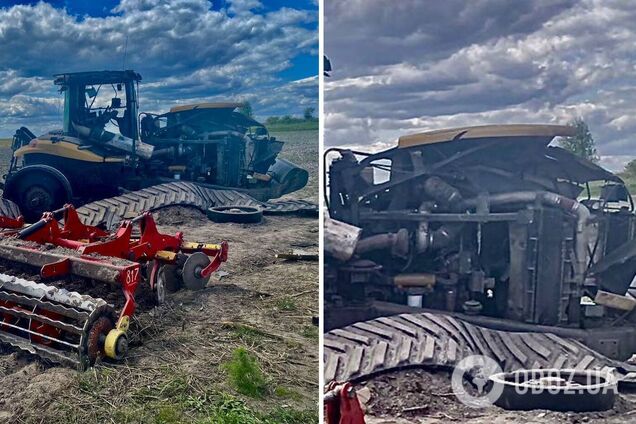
x: 428, y: 65
x: 415, y: 30
x: 184, y: 49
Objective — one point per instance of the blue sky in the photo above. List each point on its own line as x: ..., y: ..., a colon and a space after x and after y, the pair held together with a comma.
x: 423, y: 65
x: 187, y: 51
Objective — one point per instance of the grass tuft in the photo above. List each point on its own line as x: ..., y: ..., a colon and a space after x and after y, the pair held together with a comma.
x: 285, y: 393
x: 247, y: 333
x: 233, y: 411
x: 310, y: 332
x: 245, y: 374
x: 291, y: 416
x: 169, y: 414
x: 286, y: 304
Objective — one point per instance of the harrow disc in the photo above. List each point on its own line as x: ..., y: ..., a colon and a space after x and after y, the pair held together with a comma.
x: 62, y: 326
x: 192, y: 268
x: 168, y: 275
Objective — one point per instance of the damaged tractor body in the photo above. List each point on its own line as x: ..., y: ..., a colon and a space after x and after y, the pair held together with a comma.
x: 106, y: 146
x: 490, y: 223
x: 213, y: 144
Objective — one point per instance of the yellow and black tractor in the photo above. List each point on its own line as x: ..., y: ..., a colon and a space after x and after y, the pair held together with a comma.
x: 107, y: 147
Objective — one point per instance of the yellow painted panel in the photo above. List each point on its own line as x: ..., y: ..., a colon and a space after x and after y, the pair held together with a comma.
x: 64, y: 149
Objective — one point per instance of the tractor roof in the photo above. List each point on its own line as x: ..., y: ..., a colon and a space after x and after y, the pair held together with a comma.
x: 97, y: 77
x: 515, y: 147
x: 217, y: 105
x: 542, y: 133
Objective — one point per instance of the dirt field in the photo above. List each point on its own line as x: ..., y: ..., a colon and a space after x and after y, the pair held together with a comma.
x: 185, y: 355
x: 425, y: 396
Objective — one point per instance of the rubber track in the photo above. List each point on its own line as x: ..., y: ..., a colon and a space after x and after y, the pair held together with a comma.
x: 8, y: 208
x: 409, y: 340
x: 109, y: 212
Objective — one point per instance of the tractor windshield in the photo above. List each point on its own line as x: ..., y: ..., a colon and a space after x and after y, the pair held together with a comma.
x: 106, y: 105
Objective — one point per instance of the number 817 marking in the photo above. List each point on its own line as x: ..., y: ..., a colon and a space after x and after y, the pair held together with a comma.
x: 132, y: 275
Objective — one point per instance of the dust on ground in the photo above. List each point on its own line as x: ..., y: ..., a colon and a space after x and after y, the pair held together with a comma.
x: 176, y: 368
x: 425, y: 396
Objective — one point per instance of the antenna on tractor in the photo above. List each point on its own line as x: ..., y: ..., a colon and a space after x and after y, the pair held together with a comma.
x: 123, y: 65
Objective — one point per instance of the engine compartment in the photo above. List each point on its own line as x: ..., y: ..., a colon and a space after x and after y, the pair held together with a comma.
x: 485, y: 221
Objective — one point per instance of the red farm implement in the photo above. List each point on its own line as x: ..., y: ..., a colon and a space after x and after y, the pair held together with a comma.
x: 341, y: 404
x: 69, y: 327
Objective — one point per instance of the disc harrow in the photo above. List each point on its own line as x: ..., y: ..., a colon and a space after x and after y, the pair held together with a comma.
x: 72, y: 328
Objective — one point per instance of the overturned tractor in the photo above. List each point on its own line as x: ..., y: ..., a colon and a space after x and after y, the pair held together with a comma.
x: 62, y: 325
x: 488, y: 226
x: 107, y: 147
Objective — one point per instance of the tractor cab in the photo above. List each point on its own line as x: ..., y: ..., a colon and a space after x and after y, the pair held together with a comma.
x: 100, y: 99
x: 90, y: 157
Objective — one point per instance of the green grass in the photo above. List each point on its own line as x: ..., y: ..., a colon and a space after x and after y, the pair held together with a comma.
x: 234, y: 411
x: 224, y: 409
x: 285, y: 393
x: 291, y: 416
x: 247, y: 333
x: 168, y: 414
x: 310, y: 332
x: 294, y: 126
x: 178, y: 398
x: 245, y: 374
x: 286, y: 304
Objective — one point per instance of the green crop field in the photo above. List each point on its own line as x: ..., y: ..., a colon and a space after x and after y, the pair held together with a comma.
x: 293, y: 126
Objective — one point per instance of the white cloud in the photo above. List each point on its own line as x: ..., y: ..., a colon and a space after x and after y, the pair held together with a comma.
x: 183, y: 48
x: 244, y: 6
x: 478, y: 63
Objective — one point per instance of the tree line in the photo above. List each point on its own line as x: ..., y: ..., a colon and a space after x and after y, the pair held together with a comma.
x: 582, y: 144
x: 308, y: 115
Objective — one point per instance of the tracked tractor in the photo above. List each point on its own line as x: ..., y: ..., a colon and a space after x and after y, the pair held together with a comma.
x: 483, y: 240
x: 106, y: 147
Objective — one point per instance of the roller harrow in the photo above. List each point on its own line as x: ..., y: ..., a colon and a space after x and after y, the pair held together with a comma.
x: 76, y: 329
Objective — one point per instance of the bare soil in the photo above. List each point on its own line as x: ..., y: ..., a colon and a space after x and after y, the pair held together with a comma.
x: 425, y: 396
x: 175, y: 371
